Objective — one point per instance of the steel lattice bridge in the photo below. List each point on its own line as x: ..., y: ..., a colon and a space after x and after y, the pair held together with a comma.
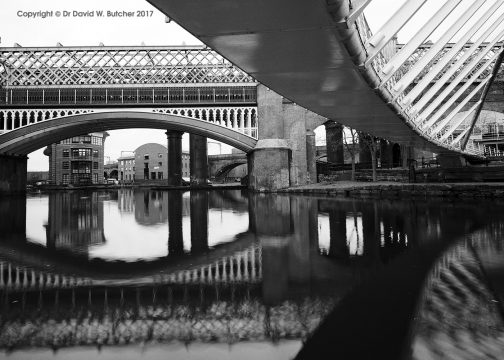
x: 426, y: 93
x: 189, y: 88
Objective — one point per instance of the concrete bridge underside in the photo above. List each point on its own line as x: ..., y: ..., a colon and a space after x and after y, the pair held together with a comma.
x: 304, y: 51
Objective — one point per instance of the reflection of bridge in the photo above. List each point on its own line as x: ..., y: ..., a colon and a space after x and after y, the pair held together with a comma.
x: 242, y: 266
x: 419, y: 88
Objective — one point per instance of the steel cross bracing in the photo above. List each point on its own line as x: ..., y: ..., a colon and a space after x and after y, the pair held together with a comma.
x: 435, y: 85
x: 133, y: 76
x: 132, y: 66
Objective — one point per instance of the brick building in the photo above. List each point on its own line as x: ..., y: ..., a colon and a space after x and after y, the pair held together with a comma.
x: 148, y: 162
x: 78, y: 160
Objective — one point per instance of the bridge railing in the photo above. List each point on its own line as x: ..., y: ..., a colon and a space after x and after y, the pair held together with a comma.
x: 242, y: 119
x: 128, y: 96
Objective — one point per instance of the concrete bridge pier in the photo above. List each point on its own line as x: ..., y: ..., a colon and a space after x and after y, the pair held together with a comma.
x: 285, y: 152
x: 175, y: 234
x: 199, y: 221
x: 269, y: 165
x: 334, y: 142
x: 174, y: 157
x: 274, y: 234
x: 13, y: 174
x: 198, y: 159
x: 338, y: 234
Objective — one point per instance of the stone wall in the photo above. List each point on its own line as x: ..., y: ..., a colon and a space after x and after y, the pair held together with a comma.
x: 396, y: 175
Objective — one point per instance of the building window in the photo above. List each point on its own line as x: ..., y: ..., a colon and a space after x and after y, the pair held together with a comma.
x: 65, y: 165
x: 81, y: 153
x: 95, y: 165
x: 146, y: 157
x: 160, y: 163
x: 95, y: 153
x: 66, y: 179
x: 66, y: 153
x: 160, y: 155
x: 95, y: 140
x: 95, y: 178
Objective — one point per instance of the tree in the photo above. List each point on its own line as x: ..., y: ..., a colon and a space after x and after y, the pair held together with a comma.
x: 373, y: 144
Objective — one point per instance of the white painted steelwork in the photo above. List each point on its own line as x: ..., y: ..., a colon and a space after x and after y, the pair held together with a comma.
x: 327, y: 59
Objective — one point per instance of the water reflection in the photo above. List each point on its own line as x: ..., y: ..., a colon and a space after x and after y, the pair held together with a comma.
x: 226, y: 266
x: 75, y: 222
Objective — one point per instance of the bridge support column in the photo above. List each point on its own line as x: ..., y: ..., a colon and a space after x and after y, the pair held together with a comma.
x: 269, y: 165
x: 386, y: 154
x: 13, y: 174
x: 199, y: 159
x: 337, y: 234
x: 311, y: 157
x: 334, y: 142
x: 199, y: 221
x: 271, y: 219
x: 174, y: 157
x: 282, y: 128
x: 175, y: 237
x: 364, y: 153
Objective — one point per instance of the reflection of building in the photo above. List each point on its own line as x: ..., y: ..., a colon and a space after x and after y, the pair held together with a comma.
x: 125, y: 200
x: 151, y: 207
x: 78, y: 160
x: 75, y: 221
x: 149, y: 162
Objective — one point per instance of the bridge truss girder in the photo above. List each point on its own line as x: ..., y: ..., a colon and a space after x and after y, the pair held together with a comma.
x: 128, y: 66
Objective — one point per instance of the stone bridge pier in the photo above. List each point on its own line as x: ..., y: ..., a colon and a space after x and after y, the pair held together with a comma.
x: 285, y: 152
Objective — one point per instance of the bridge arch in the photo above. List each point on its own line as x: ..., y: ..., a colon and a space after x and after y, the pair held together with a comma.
x: 226, y: 169
x: 29, y: 138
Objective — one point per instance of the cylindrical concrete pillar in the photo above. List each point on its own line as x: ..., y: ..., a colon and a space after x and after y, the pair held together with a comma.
x: 198, y: 159
x: 364, y: 152
x: 174, y: 157
x: 175, y: 237
x: 199, y: 221
x: 337, y: 231
x: 311, y: 158
x: 386, y: 155
x: 334, y: 142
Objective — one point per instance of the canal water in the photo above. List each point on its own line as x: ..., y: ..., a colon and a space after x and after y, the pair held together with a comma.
x: 138, y: 273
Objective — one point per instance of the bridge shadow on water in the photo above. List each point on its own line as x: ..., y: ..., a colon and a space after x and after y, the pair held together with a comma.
x: 344, y: 278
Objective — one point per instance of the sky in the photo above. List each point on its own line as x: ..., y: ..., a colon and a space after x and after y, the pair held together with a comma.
x: 79, y: 30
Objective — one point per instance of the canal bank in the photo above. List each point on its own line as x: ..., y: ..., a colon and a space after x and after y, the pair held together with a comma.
x: 402, y: 190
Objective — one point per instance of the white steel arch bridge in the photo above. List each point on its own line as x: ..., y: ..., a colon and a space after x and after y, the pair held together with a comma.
x: 323, y: 56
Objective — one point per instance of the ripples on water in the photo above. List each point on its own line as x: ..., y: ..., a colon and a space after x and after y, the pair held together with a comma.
x: 151, y: 270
